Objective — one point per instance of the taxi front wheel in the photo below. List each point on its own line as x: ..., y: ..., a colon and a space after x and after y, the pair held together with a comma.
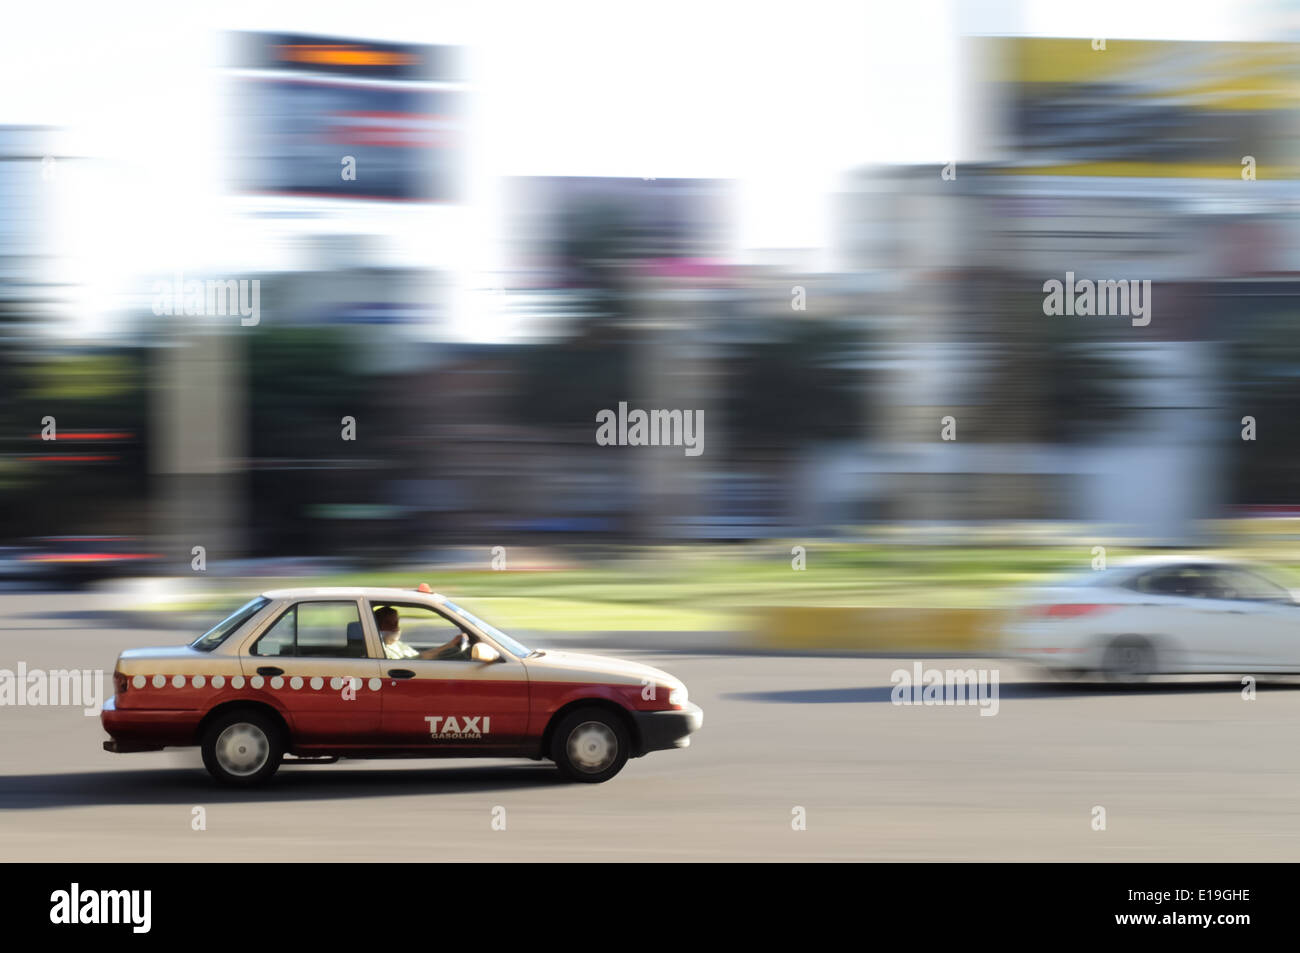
x: 590, y: 745
x: 242, y: 748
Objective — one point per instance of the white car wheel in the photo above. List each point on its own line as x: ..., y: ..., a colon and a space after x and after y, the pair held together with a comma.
x: 1129, y: 660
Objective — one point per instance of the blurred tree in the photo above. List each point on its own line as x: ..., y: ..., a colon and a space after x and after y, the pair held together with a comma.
x: 75, y: 484
x: 1262, y: 380
x: 598, y: 241
x: 560, y: 382
x: 1049, y: 379
x: 798, y: 385
x: 301, y: 382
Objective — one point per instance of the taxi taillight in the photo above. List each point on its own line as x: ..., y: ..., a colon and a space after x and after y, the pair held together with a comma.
x: 1068, y: 610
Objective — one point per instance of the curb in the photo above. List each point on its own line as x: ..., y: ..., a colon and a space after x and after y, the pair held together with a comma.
x: 878, y: 629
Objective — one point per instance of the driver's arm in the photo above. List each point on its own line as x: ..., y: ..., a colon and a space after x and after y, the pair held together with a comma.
x: 452, y: 646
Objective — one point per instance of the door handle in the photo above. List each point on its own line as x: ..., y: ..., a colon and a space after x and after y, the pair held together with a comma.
x: 400, y: 673
x: 270, y: 670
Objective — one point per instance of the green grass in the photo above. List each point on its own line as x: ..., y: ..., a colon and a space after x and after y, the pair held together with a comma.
x: 680, y: 589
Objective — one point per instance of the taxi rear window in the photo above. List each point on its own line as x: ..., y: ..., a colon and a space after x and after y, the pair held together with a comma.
x: 230, y: 624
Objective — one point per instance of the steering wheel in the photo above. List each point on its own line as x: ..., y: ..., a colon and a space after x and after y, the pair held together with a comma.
x: 456, y: 651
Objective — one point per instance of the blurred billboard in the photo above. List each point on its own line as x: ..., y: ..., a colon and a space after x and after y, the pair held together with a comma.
x: 309, y: 105
x: 1150, y: 109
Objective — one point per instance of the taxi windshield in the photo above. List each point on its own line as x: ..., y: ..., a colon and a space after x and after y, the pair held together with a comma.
x: 507, y: 643
x: 218, y: 633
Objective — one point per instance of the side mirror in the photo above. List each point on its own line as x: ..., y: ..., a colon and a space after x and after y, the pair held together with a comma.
x: 482, y: 652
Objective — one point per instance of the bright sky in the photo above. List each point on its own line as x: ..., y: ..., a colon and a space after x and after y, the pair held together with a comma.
x: 781, y: 97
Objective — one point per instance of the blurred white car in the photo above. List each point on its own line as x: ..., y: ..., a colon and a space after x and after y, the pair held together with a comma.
x: 1160, y: 615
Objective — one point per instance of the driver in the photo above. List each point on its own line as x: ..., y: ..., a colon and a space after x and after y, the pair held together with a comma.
x: 386, y: 619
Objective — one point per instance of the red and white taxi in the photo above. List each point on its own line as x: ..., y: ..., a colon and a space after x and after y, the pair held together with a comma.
x: 328, y: 673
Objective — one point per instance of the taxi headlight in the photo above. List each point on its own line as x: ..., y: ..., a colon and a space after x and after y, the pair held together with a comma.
x: 677, y: 697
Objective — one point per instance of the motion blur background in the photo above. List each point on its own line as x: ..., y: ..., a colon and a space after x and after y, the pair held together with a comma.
x: 825, y: 230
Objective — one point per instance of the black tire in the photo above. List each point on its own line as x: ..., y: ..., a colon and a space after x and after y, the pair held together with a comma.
x: 1128, y: 660
x: 243, y: 748
x: 590, y: 745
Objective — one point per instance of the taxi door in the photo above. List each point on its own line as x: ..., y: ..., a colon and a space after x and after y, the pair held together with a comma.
x: 314, y: 663
x: 457, y: 706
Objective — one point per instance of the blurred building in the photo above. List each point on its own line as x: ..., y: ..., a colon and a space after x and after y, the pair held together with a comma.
x: 336, y: 139
x: 1122, y: 163
x: 29, y: 178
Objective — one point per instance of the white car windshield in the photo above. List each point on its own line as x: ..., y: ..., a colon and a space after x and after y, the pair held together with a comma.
x: 1113, y: 576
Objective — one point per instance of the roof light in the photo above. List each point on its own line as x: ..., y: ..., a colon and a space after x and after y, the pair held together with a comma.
x: 423, y: 587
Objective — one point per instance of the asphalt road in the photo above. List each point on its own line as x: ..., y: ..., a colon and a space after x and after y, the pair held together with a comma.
x: 1185, y: 769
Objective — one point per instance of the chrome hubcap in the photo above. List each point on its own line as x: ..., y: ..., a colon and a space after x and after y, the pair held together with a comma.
x: 242, y: 749
x: 592, y: 747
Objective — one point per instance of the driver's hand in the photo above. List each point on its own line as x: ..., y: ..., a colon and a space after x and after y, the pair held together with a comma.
x: 453, y: 647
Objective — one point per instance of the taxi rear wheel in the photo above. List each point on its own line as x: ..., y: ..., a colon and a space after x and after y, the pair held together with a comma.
x: 243, y: 748
x: 590, y: 745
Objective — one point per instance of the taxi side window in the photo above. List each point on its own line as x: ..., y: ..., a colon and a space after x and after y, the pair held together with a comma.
x: 315, y: 630
x: 423, y: 628
x: 279, y: 638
